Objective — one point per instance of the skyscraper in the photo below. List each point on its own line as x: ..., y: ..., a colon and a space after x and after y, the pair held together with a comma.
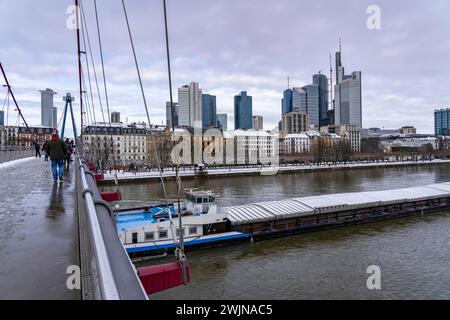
x: 169, y: 114
x: 442, y: 122
x: 222, y: 121
x: 306, y: 100
x: 55, y: 118
x: 348, y: 96
x: 286, y: 102
x: 295, y: 122
x: 47, y: 111
x: 258, y: 123
x: 190, y: 105
x: 115, y: 117
x: 2, y: 118
x: 209, y: 112
x: 243, y: 111
x: 321, y: 81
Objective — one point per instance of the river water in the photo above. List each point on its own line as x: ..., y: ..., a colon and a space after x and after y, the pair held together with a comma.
x: 413, y: 253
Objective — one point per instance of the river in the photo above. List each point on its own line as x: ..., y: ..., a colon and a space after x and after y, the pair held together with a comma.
x: 412, y: 253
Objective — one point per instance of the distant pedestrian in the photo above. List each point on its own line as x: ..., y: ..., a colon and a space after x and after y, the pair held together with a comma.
x: 68, y: 153
x: 37, y: 147
x: 56, y: 151
x: 45, y: 149
x: 73, y: 148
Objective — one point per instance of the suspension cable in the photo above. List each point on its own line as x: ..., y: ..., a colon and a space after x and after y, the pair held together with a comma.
x: 106, y: 92
x: 98, y: 155
x: 178, y: 178
x: 155, y: 150
x: 83, y: 18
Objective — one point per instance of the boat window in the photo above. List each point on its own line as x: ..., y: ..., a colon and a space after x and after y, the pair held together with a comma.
x: 211, y: 199
x: 149, y: 236
x: 163, y: 234
x: 178, y: 232
x: 134, y: 237
x: 205, y: 199
x: 192, y: 230
x: 199, y: 200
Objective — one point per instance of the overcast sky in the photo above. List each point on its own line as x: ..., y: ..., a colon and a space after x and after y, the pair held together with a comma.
x: 233, y: 45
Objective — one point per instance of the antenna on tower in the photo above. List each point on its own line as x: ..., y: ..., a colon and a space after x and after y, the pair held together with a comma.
x: 288, y: 81
x: 340, y: 45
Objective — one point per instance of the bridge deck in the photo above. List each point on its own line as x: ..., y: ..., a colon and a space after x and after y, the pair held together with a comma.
x: 38, y: 232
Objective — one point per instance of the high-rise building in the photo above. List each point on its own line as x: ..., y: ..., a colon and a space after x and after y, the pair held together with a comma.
x: 295, y: 122
x: 55, y: 118
x: 321, y: 81
x: 47, y: 111
x: 243, y: 111
x: 190, y: 105
x: 222, y: 121
x: 2, y: 118
x: 306, y: 100
x: 258, y: 123
x: 442, y: 122
x: 286, y: 102
x: 348, y: 96
x: 115, y: 117
x: 209, y: 112
x: 169, y: 114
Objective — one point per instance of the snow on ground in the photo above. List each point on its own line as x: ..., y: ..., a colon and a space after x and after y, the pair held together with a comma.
x: 9, y: 164
x: 212, y: 172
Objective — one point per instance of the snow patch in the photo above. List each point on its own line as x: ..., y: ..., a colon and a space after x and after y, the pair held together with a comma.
x: 14, y: 162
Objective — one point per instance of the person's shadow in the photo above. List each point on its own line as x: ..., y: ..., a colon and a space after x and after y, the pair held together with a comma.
x: 56, y: 203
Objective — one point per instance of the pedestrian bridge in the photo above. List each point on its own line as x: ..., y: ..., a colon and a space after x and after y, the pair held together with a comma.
x: 57, y: 240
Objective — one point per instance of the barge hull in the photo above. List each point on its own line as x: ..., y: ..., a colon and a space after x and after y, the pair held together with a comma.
x: 292, y: 226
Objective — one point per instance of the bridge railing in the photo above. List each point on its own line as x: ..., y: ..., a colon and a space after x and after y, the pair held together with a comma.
x: 106, y: 270
x: 10, y: 153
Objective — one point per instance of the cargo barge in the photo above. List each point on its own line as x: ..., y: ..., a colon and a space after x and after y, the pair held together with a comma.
x: 206, y: 225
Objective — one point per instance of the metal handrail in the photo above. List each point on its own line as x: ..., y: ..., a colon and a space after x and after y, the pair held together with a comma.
x: 107, y: 282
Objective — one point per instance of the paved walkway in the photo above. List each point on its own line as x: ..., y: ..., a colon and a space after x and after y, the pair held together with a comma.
x: 38, y: 232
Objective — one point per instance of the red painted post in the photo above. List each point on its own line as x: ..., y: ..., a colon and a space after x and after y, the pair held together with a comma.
x: 111, y: 196
x: 162, y: 277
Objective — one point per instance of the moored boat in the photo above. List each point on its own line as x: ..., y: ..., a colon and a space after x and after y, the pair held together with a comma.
x: 146, y: 231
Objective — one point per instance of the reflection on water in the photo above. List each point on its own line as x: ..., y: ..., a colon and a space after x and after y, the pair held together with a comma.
x: 411, y: 252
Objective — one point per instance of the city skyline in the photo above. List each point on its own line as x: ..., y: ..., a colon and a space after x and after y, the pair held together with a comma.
x: 235, y: 61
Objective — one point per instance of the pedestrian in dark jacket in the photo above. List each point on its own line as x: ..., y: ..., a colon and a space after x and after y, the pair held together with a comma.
x: 37, y: 147
x: 68, y: 153
x: 56, y: 151
x: 45, y: 149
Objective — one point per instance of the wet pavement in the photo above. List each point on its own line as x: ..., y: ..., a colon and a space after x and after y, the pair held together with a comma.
x: 38, y: 232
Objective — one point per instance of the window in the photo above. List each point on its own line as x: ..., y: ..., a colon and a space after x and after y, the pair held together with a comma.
x: 192, y: 230
x: 163, y: 234
x: 134, y: 237
x: 149, y: 236
x: 178, y: 232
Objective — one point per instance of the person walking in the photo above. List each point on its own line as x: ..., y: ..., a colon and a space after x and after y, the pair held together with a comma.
x: 56, y: 151
x: 68, y: 153
x: 45, y: 149
x: 37, y: 147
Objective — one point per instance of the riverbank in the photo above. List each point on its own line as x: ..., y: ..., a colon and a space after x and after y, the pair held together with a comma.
x: 129, y: 177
